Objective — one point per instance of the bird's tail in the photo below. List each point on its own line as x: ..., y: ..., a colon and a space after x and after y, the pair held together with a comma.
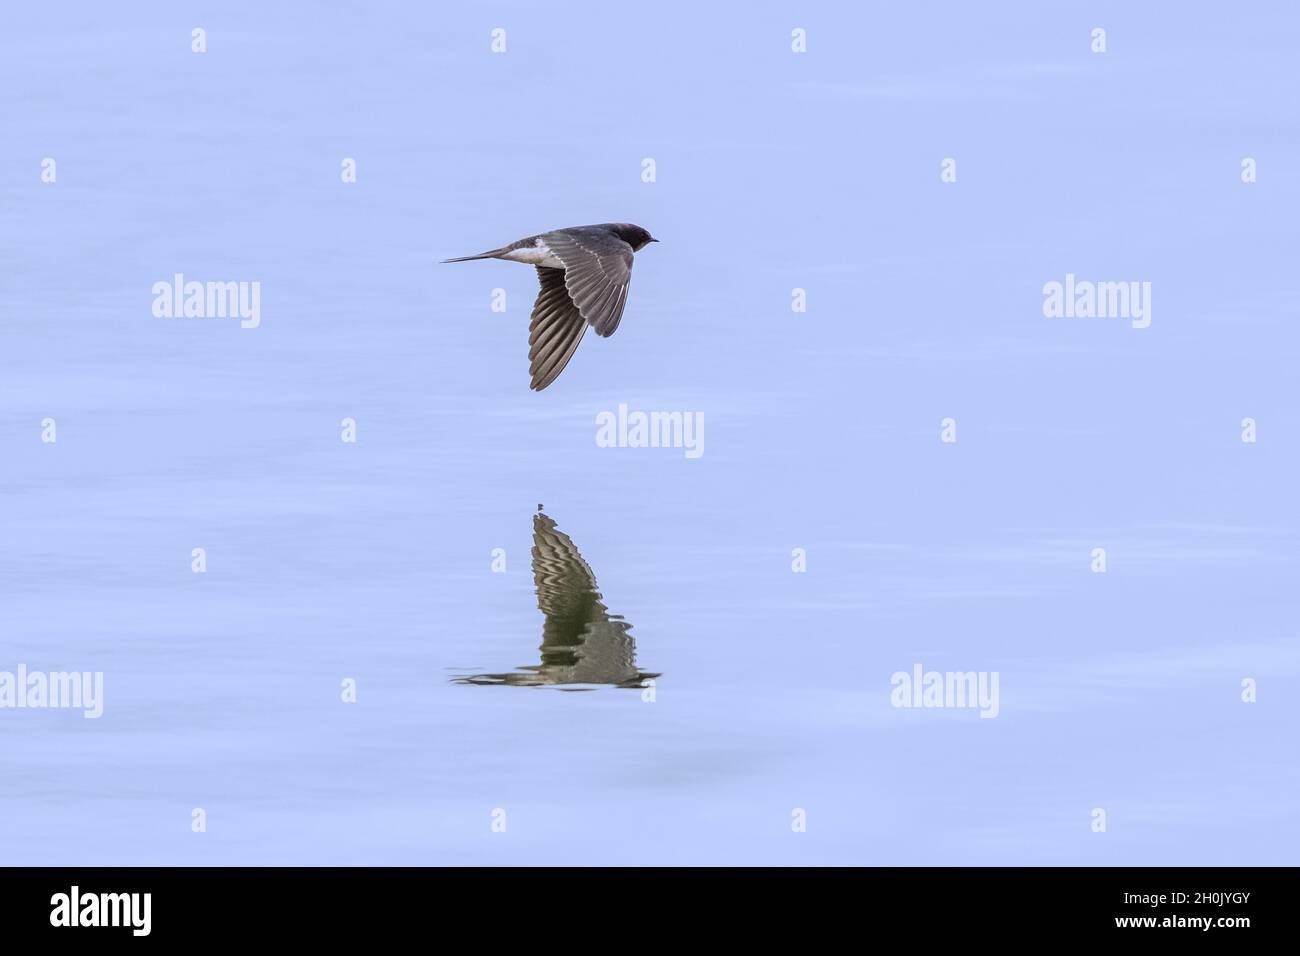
x: 482, y: 255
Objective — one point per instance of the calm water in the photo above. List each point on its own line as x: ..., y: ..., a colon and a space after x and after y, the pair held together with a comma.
x: 723, y: 690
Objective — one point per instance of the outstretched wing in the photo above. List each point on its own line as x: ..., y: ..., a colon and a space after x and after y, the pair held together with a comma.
x: 597, y: 270
x: 566, y: 587
x: 581, y: 642
x: 555, y: 331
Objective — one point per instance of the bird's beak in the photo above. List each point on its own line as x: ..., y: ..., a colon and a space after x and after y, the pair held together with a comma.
x: 653, y: 239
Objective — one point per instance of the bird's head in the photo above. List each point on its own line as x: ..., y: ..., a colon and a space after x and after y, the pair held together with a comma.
x: 635, y: 236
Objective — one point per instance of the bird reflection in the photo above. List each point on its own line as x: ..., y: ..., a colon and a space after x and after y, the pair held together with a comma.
x: 582, y: 643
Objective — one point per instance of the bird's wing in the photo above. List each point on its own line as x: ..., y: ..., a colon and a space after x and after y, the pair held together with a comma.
x: 597, y: 270
x: 555, y: 331
x: 581, y: 643
x: 566, y: 587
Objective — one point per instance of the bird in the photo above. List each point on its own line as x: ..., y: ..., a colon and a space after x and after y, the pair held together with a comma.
x: 584, y: 272
x: 582, y: 643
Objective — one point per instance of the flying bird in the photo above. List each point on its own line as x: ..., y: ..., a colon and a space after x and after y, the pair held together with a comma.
x: 584, y: 272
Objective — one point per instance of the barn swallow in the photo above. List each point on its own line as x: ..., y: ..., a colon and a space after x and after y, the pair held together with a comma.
x: 584, y: 272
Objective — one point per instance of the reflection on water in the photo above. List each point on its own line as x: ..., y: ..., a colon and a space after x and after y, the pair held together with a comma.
x: 582, y: 643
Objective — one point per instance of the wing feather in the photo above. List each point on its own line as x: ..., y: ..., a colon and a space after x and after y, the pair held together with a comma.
x: 556, y: 328
x: 597, y: 272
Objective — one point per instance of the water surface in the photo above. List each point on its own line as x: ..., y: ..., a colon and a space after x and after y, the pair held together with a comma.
x: 372, y: 562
